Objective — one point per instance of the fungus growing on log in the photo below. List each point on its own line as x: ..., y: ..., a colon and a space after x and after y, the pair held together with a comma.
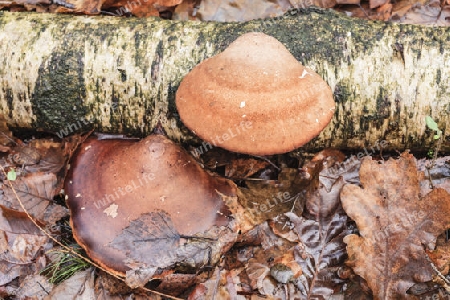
x: 255, y: 98
x: 114, y: 182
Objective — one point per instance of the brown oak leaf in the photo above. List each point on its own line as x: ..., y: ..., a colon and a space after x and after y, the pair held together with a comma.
x: 395, y: 225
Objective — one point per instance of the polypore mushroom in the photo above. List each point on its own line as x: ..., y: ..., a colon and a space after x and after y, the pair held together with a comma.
x: 255, y: 98
x: 113, y: 182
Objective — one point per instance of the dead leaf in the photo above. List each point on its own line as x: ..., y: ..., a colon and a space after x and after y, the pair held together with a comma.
x: 186, y: 10
x: 20, y: 239
x: 384, y: 12
x: 257, y: 272
x: 51, y: 156
x: 377, y: 3
x: 139, y: 8
x: 350, y: 2
x: 400, y: 8
x: 10, y: 271
x: 151, y: 242
x: 240, y: 10
x: 348, y: 170
x: 317, y: 3
x: 427, y: 13
x: 394, y: 224
x: 211, y: 289
x: 321, y: 250
x: 34, y: 287
x: 152, y: 236
x: 444, y: 17
x: 441, y: 258
x: 79, y: 286
x: 265, y: 199
x: 244, y: 167
x: 436, y: 176
x: 25, y: 155
x: 288, y: 260
x: 17, y: 222
x: 176, y: 284
x: 20, y: 242
x: 36, y: 191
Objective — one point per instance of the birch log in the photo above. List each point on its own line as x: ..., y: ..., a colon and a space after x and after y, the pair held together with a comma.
x: 65, y: 73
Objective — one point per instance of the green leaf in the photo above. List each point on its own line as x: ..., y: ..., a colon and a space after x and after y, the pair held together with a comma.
x: 12, y: 175
x: 431, y: 123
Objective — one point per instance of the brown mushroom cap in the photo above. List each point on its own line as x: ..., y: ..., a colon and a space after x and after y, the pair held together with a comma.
x: 139, y: 177
x: 255, y: 98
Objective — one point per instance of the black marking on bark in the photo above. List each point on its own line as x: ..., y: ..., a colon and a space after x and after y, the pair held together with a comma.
x: 157, y: 61
x: 9, y: 101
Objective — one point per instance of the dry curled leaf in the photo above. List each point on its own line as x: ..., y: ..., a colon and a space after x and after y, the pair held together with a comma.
x: 395, y: 226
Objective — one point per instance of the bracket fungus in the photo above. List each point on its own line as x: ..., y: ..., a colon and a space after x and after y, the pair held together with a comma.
x: 255, y: 98
x: 114, y: 182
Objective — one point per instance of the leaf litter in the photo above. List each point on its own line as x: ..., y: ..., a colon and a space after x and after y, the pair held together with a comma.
x: 396, y: 225
x: 426, y: 12
x: 355, y: 224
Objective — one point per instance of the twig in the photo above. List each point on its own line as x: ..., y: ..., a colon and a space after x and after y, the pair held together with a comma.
x: 442, y: 280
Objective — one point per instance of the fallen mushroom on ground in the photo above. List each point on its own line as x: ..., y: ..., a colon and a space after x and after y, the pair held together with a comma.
x: 147, y: 204
x: 255, y: 98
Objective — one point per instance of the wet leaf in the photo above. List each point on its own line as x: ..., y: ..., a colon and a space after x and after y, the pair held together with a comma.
x: 36, y: 191
x: 321, y: 251
x: 151, y: 242
x: 395, y: 225
x: 153, y: 237
x: 20, y: 239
